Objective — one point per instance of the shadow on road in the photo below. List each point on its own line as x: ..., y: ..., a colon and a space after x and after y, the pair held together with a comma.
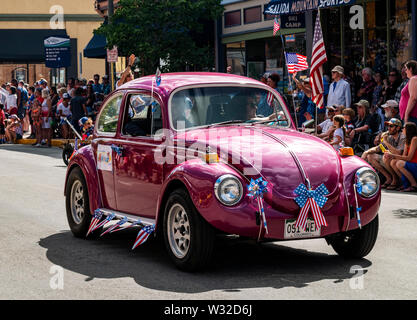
x: 405, y: 213
x: 53, y: 152
x: 237, y: 264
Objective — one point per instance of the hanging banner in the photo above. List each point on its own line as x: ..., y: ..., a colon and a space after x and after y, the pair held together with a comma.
x: 285, y: 7
x: 57, y: 52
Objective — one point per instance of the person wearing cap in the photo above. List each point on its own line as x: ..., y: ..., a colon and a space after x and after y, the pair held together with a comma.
x: 325, y: 129
x: 392, y: 140
x: 13, y: 129
x: 391, y: 110
x: 360, y: 134
x: 64, y: 112
x: 339, y: 91
x: 87, y: 128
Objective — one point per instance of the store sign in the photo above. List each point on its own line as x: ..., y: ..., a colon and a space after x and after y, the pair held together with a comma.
x: 285, y: 7
x: 57, y: 52
x: 296, y: 21
x: 357, y: 21
x: 112, y: 55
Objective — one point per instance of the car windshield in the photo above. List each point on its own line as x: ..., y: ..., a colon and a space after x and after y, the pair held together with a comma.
x: 206, y: 106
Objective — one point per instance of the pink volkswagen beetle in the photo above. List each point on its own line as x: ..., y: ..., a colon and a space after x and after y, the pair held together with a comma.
x: 200, y: 154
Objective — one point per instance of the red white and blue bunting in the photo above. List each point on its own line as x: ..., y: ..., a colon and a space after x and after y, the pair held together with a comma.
x: 122, y: 224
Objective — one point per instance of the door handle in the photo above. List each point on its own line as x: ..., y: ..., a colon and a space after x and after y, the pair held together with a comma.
x: 117, y: 149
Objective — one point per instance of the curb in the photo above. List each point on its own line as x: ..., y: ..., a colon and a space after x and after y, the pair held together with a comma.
x: 55, y: 142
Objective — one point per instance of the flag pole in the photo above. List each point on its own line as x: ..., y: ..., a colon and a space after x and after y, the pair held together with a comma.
x: 289, y: 78
x: 316, y: 121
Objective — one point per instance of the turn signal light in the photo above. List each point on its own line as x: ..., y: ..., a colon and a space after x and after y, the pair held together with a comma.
x: 346, y: 152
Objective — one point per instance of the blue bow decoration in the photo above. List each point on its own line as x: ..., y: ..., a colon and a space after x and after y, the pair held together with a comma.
x: 318, y: 195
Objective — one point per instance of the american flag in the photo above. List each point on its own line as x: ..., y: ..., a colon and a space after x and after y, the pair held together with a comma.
x: 319, y: 57
x: 143, y: 235
x: 296, y: 62
x: 118, y: 224
x: 96, y: 219
x: 102, y: 223
x: 277, y: 27
x: 270, y: 99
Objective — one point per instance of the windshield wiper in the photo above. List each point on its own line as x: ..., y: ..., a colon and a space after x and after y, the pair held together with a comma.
x: 226, y: 122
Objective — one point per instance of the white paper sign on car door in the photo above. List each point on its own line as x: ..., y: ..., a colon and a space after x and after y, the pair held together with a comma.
x: 104, y: 158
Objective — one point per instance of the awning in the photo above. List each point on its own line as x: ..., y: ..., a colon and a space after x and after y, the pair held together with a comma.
x: 96, y: 48
x: 284, y: 7
x: 25, y: 45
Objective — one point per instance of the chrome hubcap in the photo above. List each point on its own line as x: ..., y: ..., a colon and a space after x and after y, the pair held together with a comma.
x: 179, y: 232
x: 77, y: 202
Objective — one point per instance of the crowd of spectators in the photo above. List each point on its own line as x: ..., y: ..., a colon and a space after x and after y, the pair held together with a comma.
x: 43, y: 113
x: 379, y: 120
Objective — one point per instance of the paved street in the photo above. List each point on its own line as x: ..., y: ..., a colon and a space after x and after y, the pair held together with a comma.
x: 35, y: 238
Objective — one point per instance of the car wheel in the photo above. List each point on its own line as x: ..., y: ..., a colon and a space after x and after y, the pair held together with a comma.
x: 66, y: 153
x: 189, y: 239
x: 357, y: 243
x: 77, y: 204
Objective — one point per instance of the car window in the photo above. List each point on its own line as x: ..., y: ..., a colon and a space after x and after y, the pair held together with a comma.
x: 109, y: 116
x: 201, y: 106
x: 143, y: 115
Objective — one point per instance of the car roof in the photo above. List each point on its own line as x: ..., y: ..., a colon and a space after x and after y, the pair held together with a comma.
x: 172, y: 81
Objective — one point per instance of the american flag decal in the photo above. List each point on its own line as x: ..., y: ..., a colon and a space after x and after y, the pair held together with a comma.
x: 319, y: 57
x: 143, y: 235
x: 118, y: 224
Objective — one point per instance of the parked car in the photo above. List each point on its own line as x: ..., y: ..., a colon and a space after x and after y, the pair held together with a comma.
x: 194, y: 158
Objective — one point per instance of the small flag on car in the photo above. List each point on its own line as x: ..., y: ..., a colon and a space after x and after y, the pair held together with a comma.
x: 102, y: 223
x: 143, y: 235
x: 96, y: 219
x: 158, y: 77
x: 269, y: 98
x: 118, y: 224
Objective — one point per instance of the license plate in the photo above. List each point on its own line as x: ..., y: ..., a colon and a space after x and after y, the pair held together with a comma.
x: 291, y: 232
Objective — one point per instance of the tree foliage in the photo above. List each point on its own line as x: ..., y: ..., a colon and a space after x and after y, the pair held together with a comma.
x: 171, y: 30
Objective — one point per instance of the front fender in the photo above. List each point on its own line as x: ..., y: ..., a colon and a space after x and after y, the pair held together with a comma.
x: 84, y: 159
x: 370, y: 206
x: 198, y: 178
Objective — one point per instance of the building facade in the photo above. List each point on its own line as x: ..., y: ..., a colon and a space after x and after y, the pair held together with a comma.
x: 380, y: 34
x: 24, y: 24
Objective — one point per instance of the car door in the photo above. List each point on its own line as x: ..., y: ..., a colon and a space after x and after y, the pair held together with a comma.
x: 106, y: 130
x: 138, y: 178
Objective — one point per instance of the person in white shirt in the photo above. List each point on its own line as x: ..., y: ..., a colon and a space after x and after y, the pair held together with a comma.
x: 127, y: 75
x: 339, y: 91
x: 64, y: 111
x: 327, y: 125
x: 339, y: 132
x: 11, y: 99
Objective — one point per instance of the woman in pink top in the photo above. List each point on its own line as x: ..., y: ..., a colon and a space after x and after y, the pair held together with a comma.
x: 408, y: 101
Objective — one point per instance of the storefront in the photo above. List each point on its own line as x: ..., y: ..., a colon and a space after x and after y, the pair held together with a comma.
x: 362, y: 33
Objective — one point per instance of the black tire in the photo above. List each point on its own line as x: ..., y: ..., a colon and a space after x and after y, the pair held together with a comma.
x: 66, y: 153
x: 357, y: 243
x: 198, y: 248
x: 77, y: 204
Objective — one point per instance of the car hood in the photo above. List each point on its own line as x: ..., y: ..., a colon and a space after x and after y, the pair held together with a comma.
x: 280, y: 156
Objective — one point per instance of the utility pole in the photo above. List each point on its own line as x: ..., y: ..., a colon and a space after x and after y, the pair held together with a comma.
x: 110, y: 12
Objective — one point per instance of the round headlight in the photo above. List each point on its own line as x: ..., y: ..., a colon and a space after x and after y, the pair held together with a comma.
x: 228, y: 190
x: 368, y: 181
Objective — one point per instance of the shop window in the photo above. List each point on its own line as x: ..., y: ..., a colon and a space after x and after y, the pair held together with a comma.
x: 252, y: 15
x: 232, y: 18
x: 20, y: 74
x: 236, y: 57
